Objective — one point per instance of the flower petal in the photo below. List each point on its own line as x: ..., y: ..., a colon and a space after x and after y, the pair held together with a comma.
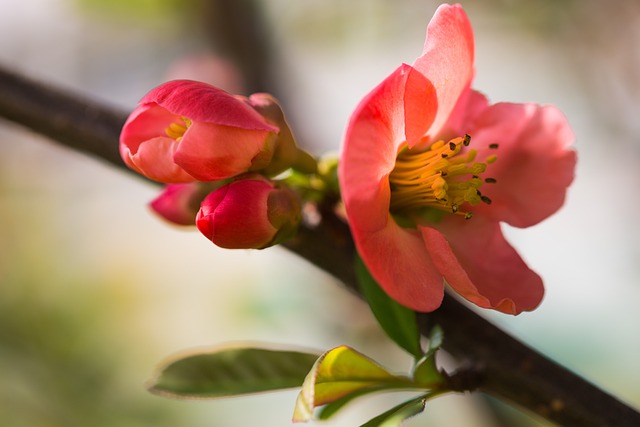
x: 202, y: 102
x: 375, y: 130
x: 145, y: 122
x: 179, y: 203
x: 447, y: 60
x: 154, y: 160
x: 398, y: 260
x: 535, y: 164
x: 211, y: 152
x: 395, y: 257
x: 470, y: 105
x: 480, y: 265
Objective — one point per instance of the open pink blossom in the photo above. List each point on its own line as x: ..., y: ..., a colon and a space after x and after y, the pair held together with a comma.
x: 430, y: 169
x: 185, y: 131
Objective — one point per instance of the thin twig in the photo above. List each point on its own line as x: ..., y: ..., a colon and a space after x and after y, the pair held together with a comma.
x: 505, y: 367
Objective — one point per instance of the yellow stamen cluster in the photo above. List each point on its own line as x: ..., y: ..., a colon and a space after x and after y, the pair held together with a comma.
x: 441, y: 177
x: 177, y: 129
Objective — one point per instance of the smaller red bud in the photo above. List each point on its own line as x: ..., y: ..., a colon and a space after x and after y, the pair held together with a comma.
x: 249, y: 213
x: 179, y: 203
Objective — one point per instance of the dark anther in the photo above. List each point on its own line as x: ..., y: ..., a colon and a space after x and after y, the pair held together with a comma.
x: 485, y: 199
x: 493, y: 146
x: 452, y: 146
x: 490, y: 180
x: 467, y: 140
x: 444, y: 155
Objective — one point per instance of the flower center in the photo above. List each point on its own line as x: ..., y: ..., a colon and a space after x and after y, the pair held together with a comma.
x: 441, y: 177
x: 177, y: 129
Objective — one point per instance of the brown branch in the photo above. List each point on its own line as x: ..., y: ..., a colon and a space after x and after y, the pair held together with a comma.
x: 502, y: 366
x: 74, y: 121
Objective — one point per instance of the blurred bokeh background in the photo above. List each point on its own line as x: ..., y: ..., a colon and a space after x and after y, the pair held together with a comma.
x: 95, y: 290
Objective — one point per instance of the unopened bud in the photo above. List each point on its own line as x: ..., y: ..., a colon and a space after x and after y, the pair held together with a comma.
x: 249, y: 213
x: 179, y: 203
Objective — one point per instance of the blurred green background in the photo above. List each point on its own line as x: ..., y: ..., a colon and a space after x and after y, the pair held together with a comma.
x: 95, y: 290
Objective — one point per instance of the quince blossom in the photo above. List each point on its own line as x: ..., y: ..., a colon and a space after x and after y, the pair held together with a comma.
x: 430, y: 169
x: 184, y: 131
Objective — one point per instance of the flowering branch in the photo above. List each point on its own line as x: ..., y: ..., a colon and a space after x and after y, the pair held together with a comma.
x: 495, y: 362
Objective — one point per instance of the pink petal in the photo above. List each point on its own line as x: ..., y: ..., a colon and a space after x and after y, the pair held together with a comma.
x: 397, y: 259
x: 470, y: 105
x: 179, y: 203
x: 145, y: 122
x: 154, y: 159
x: 375, y: 130
x: 447, y: 60
x: 202, y: 102
x: 211, y: 152
x: 535, y: 162
x: 480, y: 265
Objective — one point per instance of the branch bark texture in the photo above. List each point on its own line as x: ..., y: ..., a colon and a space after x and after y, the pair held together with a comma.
x: 502, y: 366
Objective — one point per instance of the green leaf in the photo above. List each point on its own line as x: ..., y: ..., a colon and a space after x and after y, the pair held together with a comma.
x: 331, y: 408
x: 396, y: 320
x: 231, y: 371
x: 396, y: 415
x: 338, y: 373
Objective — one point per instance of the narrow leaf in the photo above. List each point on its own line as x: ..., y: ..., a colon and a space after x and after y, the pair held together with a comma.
x: 396, y: 415
x: 338, y: 373
x: 331, y: 408
x: 232, y: 371
x: 396, y: 320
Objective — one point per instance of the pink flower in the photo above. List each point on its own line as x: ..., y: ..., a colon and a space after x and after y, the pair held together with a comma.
x: 179, y: 203
x: 423, y: 191
x: 249, y: 213
x: 185, y: 131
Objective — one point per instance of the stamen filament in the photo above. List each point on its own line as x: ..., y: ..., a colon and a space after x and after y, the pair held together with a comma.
x: 441, y: 177
x: 177, y: 129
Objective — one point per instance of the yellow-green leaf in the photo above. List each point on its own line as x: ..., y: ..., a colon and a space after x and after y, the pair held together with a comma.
x: 338, y: 373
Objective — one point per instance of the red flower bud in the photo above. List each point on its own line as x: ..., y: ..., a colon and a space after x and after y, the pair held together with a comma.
x: 249, y: 213
x: 179, y: 203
